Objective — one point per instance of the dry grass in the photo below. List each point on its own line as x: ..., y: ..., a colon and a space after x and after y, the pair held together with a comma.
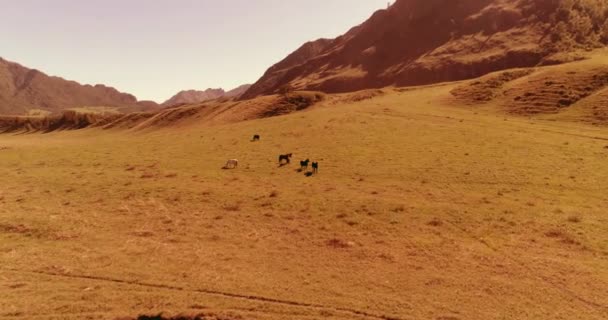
x: 232, y: 207
x: 421, y: 210
x: 488, y: 87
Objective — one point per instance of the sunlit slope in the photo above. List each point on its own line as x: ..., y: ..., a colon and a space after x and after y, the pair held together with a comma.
x: 574, y: 92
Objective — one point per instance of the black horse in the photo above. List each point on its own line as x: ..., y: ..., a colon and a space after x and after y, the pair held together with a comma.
x: 304, y: 164
x: 256, y: 138
x: 285, y: 157
x: 315, y: 167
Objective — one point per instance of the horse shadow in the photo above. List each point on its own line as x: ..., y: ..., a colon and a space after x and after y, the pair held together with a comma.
x: 309, y: 174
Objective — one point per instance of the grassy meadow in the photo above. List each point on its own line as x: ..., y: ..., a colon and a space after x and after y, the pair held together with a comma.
x: 421, y: 210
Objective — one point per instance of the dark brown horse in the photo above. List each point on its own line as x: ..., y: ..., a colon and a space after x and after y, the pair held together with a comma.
x: 315, y: 167
x: 285, y: 157
x: 304, y: 164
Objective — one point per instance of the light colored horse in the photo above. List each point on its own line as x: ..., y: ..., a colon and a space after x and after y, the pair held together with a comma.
x: 232, y: 164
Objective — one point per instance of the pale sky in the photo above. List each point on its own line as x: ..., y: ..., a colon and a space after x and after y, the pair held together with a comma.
x: 155, y: 48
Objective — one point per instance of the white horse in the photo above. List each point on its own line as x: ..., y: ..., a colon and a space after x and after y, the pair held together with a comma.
x: 232, y: 164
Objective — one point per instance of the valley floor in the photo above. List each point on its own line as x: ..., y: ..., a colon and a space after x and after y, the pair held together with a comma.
x: 420, y: 211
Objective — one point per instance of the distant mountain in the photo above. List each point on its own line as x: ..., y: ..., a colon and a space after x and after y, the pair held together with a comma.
x: 195, y: 96
x: 238, y: 91
x: 416, y: 42
x: 23, y: 89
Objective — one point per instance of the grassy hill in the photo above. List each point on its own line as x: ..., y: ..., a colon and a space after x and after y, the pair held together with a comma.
x: 574, y: 91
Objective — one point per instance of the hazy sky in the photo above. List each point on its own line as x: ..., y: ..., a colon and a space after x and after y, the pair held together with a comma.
x: 155, y: 48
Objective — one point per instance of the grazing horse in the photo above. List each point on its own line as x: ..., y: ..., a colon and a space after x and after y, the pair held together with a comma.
x: 304, y: 164
x: 285, y: 157
x: 315, y: 167
x: 232, y: 164
x: 256, y: 137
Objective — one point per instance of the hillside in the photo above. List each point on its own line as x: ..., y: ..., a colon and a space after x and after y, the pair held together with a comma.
x: 417, y: 42
x: 576, y: 91
x: 195, y: 96
x: 23, y: 89
x: 210, y: 112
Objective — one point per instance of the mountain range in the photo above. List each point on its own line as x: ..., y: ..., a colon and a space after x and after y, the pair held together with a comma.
x: 413, y: 42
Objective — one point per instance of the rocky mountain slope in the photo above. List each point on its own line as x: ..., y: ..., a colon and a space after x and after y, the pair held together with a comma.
x: 417, y: 42
x: 23, y: 89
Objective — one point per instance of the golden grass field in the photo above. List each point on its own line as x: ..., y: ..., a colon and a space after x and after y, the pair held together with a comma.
x: 422, y: 209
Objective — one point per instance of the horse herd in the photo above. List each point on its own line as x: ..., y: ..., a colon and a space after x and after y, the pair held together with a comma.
x: 284, y: 159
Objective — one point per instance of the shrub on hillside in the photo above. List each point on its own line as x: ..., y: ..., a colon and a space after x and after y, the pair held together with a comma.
x: 579, y: 24
x: 303, y: 99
